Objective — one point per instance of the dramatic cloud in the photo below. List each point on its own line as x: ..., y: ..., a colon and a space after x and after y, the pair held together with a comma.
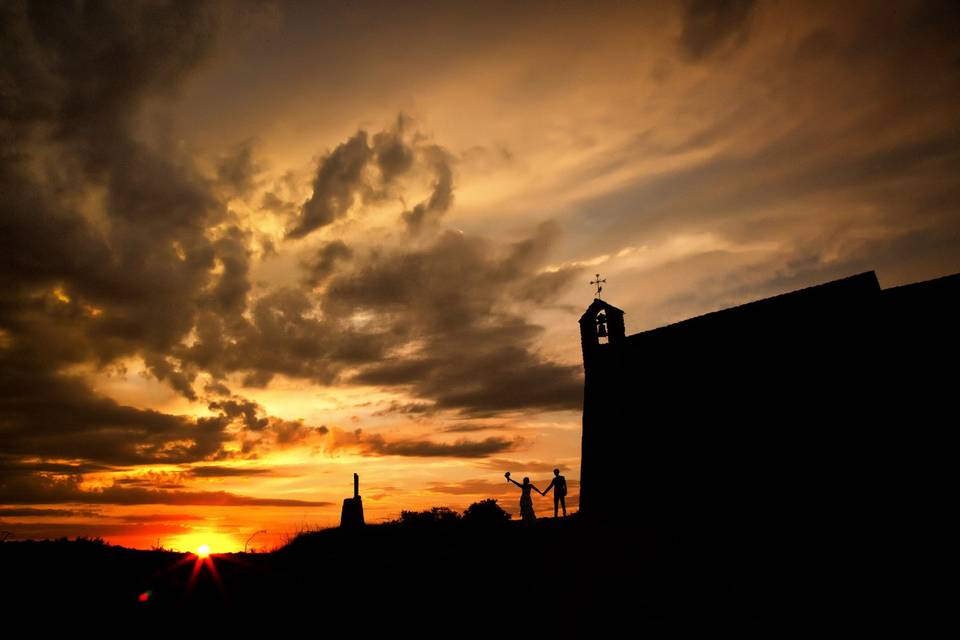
x: 375, y: 444
x: 28, y: 512
x: 285, y: 336
x: 116, y: 245
x: 441, y: 198
x: 321, y: 265
x: 238, y: 171
x: 457, y: 301
x: 214, y: 471
x: 244, y: 409
x: 125, y: 276
x: 407, y: 408
x: 710, y: 24
x: 13, y: 465
x: 60, y: 417
x: 159, y: 517
x: 215, y: 240
x: 424, y: 448
x: 471, y: 427
x: 44, y: 490
x: 365, y: 170
x: 453, y: 307
x: 339, y: 178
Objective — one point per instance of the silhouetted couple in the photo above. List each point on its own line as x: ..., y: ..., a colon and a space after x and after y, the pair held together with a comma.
x: 558, y: 484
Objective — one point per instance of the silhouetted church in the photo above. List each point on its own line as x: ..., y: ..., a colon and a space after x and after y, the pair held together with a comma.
x: 781, y: 419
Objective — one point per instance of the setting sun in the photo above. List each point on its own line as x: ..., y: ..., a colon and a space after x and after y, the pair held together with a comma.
x: 198, y: 538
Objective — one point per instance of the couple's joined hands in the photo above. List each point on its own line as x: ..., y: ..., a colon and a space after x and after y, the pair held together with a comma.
x: 509, y: 479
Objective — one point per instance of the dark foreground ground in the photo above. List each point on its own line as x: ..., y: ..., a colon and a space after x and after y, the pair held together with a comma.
x: 551, y: 568
x: 553, y: 571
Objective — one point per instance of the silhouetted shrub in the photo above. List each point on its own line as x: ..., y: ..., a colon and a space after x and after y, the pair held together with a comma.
x: 486, y: 512
x: 436, y: 515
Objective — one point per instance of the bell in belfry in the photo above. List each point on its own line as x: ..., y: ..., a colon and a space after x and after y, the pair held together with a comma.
x: 602, y: 325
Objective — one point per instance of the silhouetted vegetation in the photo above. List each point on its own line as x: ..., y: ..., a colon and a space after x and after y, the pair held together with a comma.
x: 434, y: 516
x: 485, y: 513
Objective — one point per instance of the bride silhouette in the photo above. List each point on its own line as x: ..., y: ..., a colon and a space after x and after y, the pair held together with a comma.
x: 526, y: 502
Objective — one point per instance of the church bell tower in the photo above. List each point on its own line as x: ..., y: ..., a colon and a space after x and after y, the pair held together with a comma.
x: 602, y: 338
x: 600, y: 325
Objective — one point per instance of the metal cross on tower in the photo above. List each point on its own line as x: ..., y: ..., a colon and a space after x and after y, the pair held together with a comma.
x: 597, y: 282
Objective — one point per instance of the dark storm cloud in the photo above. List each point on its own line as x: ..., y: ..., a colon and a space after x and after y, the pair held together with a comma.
x: 214, y: 471
x: 272, y: 202
x: 471, y: 427
x: 320, y: 266
x: 261, y: 432
x: 10, y: 465
x: 432, y: 209
x: 28, y: 512
x: 217, y: 390
x: 130, y: 482
x: 116, y: 245
x: 339, y: 178
x: 229, y: 295
x: 44, y: 490
x: 127, y: 278
x: 247, y: 410
x: 56, y: 416
x: 237, y: 172
x: 376, y: 444
x: 394, y: 157
x: 290, y: 432
x: 283, y: 336
x: 709, y: 25
x: 163, y: 368
x: 407, y: 408
x: 365, y: 170
x: 454, y: 298
x: 158, y: 517
x: 82, y: 65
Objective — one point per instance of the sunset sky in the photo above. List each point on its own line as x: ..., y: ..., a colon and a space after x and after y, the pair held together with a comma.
x: 251, y: 248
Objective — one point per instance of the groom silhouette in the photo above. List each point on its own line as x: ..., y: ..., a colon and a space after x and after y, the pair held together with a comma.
x: 559, y: 485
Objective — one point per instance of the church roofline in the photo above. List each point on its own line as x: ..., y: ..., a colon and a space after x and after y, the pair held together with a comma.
x: 595, y: 308
x: 865, y: 282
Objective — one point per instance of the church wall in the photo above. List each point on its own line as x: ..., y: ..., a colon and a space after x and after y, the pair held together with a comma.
x: 742, y: 419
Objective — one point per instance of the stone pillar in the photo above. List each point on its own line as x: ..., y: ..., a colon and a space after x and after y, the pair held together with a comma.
x: 352, y: 513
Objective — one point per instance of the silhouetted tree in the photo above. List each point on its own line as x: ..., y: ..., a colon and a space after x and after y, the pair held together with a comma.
x: 436, y: 515
x: 486, y: 512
